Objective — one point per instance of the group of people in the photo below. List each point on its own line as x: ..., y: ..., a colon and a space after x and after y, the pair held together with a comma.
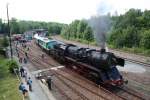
x: 28, y: 81
x: 23, y: 72
x: 21, y: 60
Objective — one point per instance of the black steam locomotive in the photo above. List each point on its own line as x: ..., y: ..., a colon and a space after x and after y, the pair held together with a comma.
x: 97, y: 65
x: 100, y: 66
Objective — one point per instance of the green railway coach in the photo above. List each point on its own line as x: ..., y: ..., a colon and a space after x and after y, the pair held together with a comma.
x: 45, y: 43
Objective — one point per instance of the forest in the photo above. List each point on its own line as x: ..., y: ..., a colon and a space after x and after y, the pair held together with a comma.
x: 129, y: 31
x: 20, y: 26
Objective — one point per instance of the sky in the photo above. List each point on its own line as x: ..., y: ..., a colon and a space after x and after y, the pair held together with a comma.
x: 65, y: 11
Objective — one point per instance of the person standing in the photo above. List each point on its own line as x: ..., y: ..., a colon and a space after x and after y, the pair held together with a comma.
x: 28, y: 49
x: 43, y: 56
x: 26, y: 54
x: 25, y: 60
x: 25, y: 76
x: 18, y: 55
x: 22, y: 71
x: 49, y: 82
x: 29, y: 82
x: 20, y: 59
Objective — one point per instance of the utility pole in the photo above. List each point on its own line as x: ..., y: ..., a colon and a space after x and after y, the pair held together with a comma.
x: 9, y: 33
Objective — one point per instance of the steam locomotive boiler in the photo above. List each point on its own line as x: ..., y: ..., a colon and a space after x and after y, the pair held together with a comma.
x: 100, y: 66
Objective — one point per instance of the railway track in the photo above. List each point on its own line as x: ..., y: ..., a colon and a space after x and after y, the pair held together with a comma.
x: 122, y: 96
x: 125, y: 92
x: 73, y: 91
x: 130, y: 93
x: 86, y: 88
x: 137, y: 62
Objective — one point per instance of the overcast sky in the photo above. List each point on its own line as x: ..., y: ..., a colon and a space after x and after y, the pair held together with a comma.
x: 66, y: 11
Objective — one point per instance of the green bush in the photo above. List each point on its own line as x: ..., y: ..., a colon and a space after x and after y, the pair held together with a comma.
x: 3, y: 52
x: 12, y: 64
x: 146, y: 52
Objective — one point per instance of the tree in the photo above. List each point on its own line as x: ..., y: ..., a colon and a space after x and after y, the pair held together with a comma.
x: 88, y: 34
x: 1, y: 25
x: 73, y: 28
x: 81, y: 26
x: 145, y: 40
x: 64, y: 32
x: 78, y: 30
x: 127, y: 28
x: 14, y: 27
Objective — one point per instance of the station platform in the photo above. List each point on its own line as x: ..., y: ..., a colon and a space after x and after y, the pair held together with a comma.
x: 40, y: 90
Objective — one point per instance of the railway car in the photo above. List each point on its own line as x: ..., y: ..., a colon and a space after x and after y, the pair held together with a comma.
x: 45, y: 43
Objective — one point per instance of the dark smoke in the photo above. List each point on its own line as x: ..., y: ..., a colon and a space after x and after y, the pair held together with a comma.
x: 100, y: 25
x: 102, y: 22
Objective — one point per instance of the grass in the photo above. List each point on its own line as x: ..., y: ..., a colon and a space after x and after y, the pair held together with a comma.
x: 135, y: 50
x: 139, y: 51
x: 8, y: 83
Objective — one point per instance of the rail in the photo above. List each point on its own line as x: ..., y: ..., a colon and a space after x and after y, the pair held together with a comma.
x: 137, y: 62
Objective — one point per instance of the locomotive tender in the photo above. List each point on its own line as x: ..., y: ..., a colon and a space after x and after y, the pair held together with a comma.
x: 98, y: 65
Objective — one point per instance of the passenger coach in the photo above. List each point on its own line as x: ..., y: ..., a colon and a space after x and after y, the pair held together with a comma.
x: 45, y: 43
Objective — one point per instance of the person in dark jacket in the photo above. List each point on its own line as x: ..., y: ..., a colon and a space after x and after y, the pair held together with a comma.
x: 25, y: 60
x: 22, y: 71
x: 20, y: 59
x: 43, y: 56
x: 49, y: 82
